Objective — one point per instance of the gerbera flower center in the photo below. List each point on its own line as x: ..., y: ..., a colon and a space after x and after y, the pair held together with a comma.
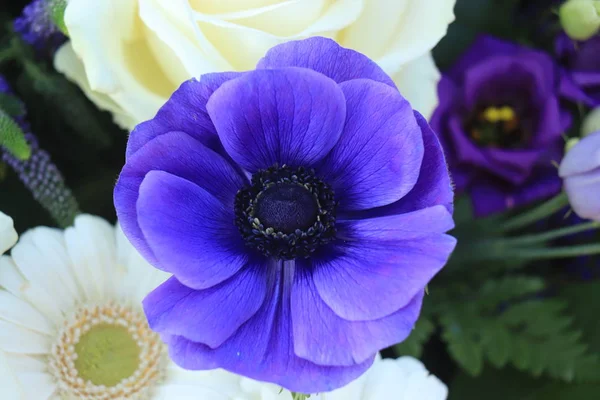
x: 286, y: 212
x: 106, y: 352
x: 497, y: 126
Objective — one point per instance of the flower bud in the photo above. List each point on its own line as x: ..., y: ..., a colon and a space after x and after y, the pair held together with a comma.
x: 57, y: 14
x: 580, y: 171
x: 580, y: 18
x: 591, y: 123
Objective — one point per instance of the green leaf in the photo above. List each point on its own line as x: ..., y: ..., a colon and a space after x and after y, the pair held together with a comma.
x: 11, y: 105
x: 413, y: 344
x: 509, y: 384
x: 507, y: 322
x: 12, y: 137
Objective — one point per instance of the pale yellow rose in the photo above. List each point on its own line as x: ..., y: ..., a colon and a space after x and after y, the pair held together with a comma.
x: 130, y: 55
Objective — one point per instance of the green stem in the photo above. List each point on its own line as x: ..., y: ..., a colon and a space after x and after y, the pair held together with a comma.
x: 554, y: 234
x: 542, y: 211
x: 8, y: 54
x: 556, y: 252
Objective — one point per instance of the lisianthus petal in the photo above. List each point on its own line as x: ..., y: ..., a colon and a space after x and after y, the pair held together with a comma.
x: 180, y: 154
x: 289, y: 116
x: 189, y: 230
x: 185, y: 111
x: 327, y: 57
x: 433, y: 187
x: 490, y: 197
x: 324, y: 338
x: 198, y: 315
x: 383, y: 262
x: 377, y: 159
x: 511, y: 165
x: 263, y: 347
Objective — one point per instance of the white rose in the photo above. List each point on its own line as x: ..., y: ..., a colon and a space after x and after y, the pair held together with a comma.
x: 135, y: 53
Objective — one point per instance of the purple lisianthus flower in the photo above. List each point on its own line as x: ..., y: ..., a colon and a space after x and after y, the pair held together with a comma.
x: 580, y: 63
x: 301, y: 208
x: 36, y: 27
x: 500, y: 123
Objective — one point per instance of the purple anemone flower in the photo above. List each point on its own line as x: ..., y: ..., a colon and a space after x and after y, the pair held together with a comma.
x: 580, y: 62
x: 501, y: 124
x: 301, y: 208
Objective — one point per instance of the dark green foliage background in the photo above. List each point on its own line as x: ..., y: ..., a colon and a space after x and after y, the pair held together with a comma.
x: 462, y: 336
x: 90, y: 166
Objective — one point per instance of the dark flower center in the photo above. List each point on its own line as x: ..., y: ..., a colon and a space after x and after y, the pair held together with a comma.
x: 286, y: 213
x: 497, y: 126
x: 287, y: 207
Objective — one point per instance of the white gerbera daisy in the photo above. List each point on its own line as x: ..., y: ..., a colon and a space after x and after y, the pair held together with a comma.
x: 71, y: 324
x: 8, y: 235
x: 71, y: 327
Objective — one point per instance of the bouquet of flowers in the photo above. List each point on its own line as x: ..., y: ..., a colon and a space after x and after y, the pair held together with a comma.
x: 286, y: 199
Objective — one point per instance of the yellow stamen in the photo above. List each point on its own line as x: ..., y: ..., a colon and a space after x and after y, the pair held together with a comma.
x: 499, y: 114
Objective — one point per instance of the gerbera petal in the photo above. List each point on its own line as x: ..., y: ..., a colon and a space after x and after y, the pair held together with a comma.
x: 378, y: 157
x: 40, y: 277
x: 16, y: 339
x: 8, y: 235
x: 91, y: 246
x: 433, y: 187
x: 38, y: 385
x: 263, y: 348
x: 179, y: 154
x: 191, y: 233
x: 52, y: 247
x: 289, y: 116
x: 188, y: 391
x: 12, y: 280
x: 327, y: 57
x: 324, y: 338
x: 185, y: 112
x: 17, y: 311
x: 11, y: 388
x: 197, y: 315
x: 383, y: 262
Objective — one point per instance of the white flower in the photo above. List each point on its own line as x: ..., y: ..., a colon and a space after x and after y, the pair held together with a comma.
x: 8, y: 235
x: 134, y: 53
x: 71, y: 321
x: 405, y: 378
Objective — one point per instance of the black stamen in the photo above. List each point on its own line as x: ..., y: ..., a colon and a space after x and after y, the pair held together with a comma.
x: 286, y: 213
